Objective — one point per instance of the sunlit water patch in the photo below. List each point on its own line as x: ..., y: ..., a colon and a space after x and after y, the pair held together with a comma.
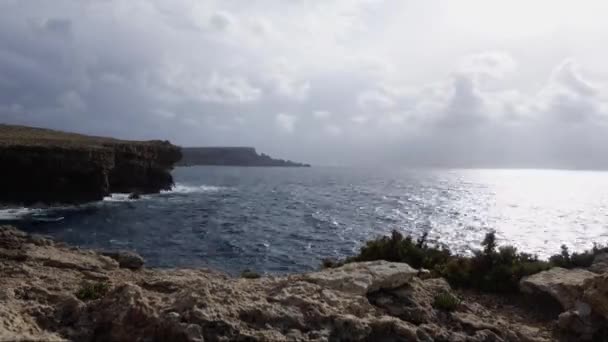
x: 281, y: 220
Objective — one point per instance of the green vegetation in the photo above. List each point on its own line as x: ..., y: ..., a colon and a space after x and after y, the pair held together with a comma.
x: 92, y: 291
x: 249, y: 274
x: 446, y: 301
x: 492, y: 269
x: 584, y: 259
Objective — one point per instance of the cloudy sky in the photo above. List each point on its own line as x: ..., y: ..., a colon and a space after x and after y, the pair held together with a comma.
x: 516, y: 83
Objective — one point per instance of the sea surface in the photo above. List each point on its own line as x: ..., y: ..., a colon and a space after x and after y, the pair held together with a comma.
x: 281, y: 220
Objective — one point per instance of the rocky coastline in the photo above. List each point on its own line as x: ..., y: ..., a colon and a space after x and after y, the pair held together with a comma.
x: 47, y: 166
x: 54, y: 292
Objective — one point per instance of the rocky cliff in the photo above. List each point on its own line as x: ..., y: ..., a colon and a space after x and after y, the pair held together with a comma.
x: 40, y: 165
x: 53, y: 292
x: 231, y: 156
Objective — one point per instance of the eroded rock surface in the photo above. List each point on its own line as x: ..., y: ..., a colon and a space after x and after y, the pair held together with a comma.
x: 41, y: 297
x: 563, y: 285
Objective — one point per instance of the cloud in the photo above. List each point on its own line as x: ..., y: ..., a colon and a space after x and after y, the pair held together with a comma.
x: 216, y: 73
x: 569, y: 97
x: 333, y: 130
x: 221, y: 21
x: 290, y: 88
x: 71, y: 101
x: 227, y: 89
x: 374, y: 100
x: 493, y: 64
x: 286, y: 122
x: 321, y: 114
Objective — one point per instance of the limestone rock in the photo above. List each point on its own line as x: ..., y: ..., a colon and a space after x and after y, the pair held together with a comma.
x: 596, y: 294
x: 364, y: 277
x: 127, y: 259
x: 563, y: 285
x: 371, y: 301
x: 600, y: 263
x: 412, y: 302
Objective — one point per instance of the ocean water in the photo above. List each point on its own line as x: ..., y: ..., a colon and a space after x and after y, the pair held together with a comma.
x: 279, y: 220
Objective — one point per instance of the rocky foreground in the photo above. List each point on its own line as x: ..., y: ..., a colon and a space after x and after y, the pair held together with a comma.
x: 53, y: 292
x: 41, y: 165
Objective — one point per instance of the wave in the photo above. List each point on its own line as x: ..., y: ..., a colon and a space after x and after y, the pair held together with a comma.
x: 14, y: 214
x: 119, y: 197
x: 189, y: 189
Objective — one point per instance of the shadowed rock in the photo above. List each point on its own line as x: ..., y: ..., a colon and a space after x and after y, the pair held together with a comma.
x: 46, y: 166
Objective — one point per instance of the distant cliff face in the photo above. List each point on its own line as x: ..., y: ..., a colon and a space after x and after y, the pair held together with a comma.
x: 231, y: 156
x: 40, y: 165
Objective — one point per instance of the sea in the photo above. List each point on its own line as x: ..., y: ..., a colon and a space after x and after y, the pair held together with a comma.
x: 285, y: 220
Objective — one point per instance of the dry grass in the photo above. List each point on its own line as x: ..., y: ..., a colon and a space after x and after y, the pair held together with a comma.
x: 12, y: 135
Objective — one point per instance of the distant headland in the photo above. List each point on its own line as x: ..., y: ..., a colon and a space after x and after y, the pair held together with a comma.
x: 231, y: 156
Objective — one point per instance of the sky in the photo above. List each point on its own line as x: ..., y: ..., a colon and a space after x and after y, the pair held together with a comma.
x: 468, y: 83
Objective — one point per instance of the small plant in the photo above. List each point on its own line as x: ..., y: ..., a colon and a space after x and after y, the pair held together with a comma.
x: 92, y: 291
x: 249, y: 274
x: 330, y: 263
x: 446, y: 301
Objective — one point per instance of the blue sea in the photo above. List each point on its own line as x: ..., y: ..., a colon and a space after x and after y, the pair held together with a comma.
x: 281, y: 220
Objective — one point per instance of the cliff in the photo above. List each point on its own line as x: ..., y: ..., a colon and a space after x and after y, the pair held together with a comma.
x: 41, y: 165
x: 53, y: 292
x: 231, y: 156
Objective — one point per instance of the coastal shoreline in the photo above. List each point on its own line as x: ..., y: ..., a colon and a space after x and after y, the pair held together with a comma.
x: 52, y: 291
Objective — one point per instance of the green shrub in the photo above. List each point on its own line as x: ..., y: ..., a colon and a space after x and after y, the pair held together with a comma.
x: 446, y: 301
x: 403, y: 249
x: 331, y: 263
x: 492, y: 269
x: 92, y: 291
x: 584, y: 259
x: 249, y: 274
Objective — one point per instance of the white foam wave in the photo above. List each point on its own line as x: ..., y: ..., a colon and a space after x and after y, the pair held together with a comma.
x: 17, y: 213
x: 118, y: 198
x: 188, y: 189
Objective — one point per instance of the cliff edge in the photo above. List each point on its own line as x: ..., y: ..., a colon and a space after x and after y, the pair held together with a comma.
x: 42, y: 165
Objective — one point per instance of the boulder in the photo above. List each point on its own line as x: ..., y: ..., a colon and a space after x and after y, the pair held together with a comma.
x: 412, y: 302
x: 579, y: 322
x: 126, y: 259
x: 364, y: 277
x: 600, y: 263
x: 596, y: 294
x: 563, y: 285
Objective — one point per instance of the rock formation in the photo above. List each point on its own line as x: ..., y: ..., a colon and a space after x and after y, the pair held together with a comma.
x: 40, y: 165
x: 53, y: 292
x: 231, y: 156
x: 582, y: 296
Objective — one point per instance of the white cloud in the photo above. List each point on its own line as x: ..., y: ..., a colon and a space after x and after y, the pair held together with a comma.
x: 286, y: 122
x: 494, y: 64
x: 374, y: 100
x: 333, y: 130
x: 226, y: 89
x: 321, y: 114
x: 290, y: 88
